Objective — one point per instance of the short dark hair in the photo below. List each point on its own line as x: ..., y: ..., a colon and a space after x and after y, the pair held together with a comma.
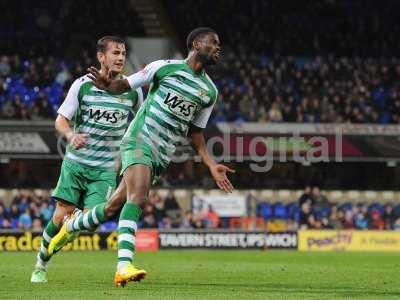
x: 195, y: 33
x: 103, y: 42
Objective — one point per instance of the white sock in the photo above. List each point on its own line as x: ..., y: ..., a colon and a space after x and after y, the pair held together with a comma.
x: 122, y: 264
x: 40, y: 264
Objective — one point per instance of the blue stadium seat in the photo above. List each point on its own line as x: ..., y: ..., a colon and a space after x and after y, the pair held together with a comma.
x: 396, y: 211
x: 108, y: 226
x: 293, y: 211
x: 321, y: 212
x: 279, y: 210
x: 326, y: 212
x: 346, y: 206
x: 264, y: 210
x: 54, y: 107
x: 376, y: 206
x: 33, y: 92
x: 14, y: 223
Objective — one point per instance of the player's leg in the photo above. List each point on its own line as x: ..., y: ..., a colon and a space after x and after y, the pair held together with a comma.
x: 67, y: 189
x: 99, y: 185
x: 101, y: 212
x: 43, y: 257
x: 138, y: 180
x: 90, y: 219
x: 99, y: 188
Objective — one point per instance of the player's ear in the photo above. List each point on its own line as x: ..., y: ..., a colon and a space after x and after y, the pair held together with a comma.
x: 196, y: 45
x: 100, y: 57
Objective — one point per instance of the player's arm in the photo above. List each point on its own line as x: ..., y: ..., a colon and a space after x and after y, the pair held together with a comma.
x: 218, y: 171
x: 63, y: 127
x: 118, y: 164
x: 105, y: 82
x: 119, y: 86
x: 140, y: 99
x: 65, y: 113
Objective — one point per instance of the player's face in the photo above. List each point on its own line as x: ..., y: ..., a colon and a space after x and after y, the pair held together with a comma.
x: 114, y: 57
x: 209, y: 49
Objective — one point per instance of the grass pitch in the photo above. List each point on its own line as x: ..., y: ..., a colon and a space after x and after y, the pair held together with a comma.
x: 208, y: 275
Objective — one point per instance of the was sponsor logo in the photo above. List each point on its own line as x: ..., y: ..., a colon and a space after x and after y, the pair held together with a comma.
x: 180, y: 106
x: 105, y: 116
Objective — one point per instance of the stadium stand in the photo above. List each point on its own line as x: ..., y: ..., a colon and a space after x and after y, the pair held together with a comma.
x: 264, y: 90
x: 71, y: 26
x: 287, y: 28
x: 301, y: 63
x: 32, y: 209
x: 316, y: 72
x: 35, y: 73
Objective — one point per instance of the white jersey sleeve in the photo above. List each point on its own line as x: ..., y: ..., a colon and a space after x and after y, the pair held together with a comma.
x: 140, y: 98
x: 71, y: 103
x: 145, y: 76
x: 202, y: 117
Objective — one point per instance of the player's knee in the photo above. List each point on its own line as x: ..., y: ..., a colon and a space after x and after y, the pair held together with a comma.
x: 59, y: 216
x: 112, y: 209
x: 115, y: 204
x: 61, y: 211
x: 57, y: 219
x: 137, y: 198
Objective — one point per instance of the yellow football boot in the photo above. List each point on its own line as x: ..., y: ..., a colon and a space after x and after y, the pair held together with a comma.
x: 63, y: 237
x: 128, y: 273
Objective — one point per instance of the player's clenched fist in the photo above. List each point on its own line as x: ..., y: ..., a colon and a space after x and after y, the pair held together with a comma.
x: 77, y: 140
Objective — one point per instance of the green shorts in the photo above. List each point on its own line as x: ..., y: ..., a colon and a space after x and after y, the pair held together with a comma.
x: 82, y: 186
x: 136, y: 151
x: 136, y: 154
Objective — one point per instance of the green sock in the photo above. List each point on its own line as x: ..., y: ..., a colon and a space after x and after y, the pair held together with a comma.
x: 127, y: 227
x: 48, y: 233
x: 88, y: 220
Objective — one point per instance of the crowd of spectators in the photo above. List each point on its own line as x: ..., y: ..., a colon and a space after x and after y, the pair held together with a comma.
x: 314, y: 61
x: 306, y: 66
x: 318, y: 61
x: 306, y: 28
x: 261, y: 89
x: 64, y: 29
x: 316, y: 212
x: 32, y: 211
x: 27, y: 211
x: 33, y: 89
x: 307, y: 90
x: 45, y: 46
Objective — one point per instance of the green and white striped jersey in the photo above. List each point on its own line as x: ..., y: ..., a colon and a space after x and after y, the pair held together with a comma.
x: 101, y: 115
x: 177, y: 98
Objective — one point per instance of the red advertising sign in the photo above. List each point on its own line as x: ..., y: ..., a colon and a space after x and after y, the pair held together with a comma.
x: 146, y: 240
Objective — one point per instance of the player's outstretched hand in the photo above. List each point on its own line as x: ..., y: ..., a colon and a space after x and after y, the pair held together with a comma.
x: 101, y: 81
x: 218, y: 172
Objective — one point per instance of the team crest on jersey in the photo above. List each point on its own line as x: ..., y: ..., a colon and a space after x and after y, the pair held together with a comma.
x: 180, y: 106
x: 203, y: 95
x: 121, y: 98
